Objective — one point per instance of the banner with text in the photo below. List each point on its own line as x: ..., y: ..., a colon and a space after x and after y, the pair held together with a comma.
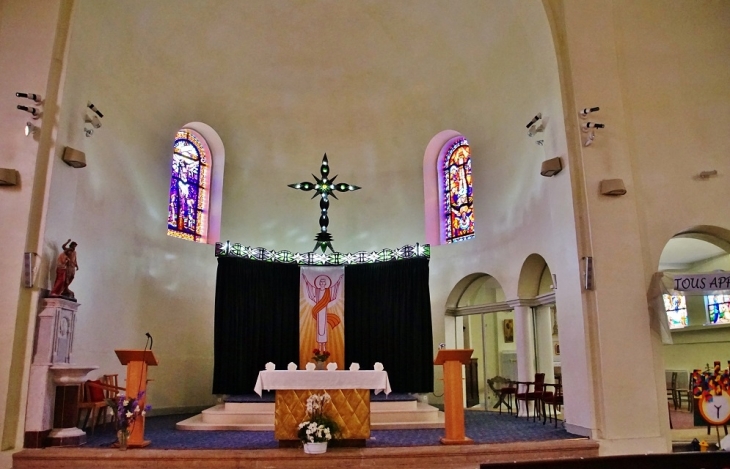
x: 322, y: 314
x: 701, y: 282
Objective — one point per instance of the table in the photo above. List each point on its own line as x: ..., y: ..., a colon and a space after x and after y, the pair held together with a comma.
x: 349, y: 390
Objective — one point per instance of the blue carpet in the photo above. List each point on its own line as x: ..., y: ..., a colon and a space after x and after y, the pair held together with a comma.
x: 482, y: 427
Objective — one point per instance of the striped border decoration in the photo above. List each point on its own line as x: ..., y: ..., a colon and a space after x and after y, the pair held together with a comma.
x: 229, y: 249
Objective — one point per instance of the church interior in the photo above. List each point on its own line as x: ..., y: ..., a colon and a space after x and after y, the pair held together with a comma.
x: 615, y: 186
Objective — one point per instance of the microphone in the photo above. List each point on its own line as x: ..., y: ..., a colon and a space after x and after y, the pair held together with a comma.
x: 149, y: 337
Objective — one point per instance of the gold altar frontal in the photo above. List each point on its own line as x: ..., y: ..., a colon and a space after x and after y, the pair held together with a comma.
x: 350, y: 408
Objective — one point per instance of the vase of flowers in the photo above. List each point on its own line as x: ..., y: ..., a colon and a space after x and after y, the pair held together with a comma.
x: 128, y: 410
x: 317, y: 428
x: 320, y: 358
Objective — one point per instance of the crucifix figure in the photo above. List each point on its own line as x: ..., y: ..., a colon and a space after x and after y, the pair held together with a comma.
x: 324, y: 187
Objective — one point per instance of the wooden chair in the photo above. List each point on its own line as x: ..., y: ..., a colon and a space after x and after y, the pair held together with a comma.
x: 93, y: 403
x: 532, y: 391
x: 684, y: 390
x: 672, y: 388
x: 505, y: 390
x: 552, y: 399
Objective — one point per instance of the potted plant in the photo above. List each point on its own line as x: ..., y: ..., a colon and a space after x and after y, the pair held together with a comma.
x: 319, y: 358
x: 317, y: 428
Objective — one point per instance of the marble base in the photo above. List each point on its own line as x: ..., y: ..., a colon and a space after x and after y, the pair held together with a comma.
x: 66, y: 437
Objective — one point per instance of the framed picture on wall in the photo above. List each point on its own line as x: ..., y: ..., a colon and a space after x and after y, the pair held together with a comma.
x: 508, y: 329
x: 556, y: 348
x: 554, y: 319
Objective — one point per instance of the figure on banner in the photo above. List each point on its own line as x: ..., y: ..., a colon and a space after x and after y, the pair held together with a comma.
x: 323, y: 293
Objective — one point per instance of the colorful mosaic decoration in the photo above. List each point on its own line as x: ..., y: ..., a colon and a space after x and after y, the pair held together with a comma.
x: 189, y: 184
x: 229, y: 249
x: 458, y: 196
x: 676, y: 310
x: 718, y: 309
x: 712, y: 388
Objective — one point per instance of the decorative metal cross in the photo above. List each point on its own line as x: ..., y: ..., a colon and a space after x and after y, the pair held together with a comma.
x: 324, y: 188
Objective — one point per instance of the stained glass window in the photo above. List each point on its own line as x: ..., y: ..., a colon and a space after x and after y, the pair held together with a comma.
x: 676, y: 310
x: 187, y: 215
x: 718, y: 309
x: 458, y: 198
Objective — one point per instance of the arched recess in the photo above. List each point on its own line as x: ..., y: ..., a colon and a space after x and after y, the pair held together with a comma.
x: 697, y: 319
x: 477, y: 317
x: 447, y: 185
x: 536, y: 286
x: 213, y: 146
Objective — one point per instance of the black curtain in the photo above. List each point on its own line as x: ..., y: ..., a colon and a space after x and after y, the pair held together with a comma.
x: 256, y: 321
x: 388, y: 320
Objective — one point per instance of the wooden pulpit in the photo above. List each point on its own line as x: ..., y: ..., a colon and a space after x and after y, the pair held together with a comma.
x: 453, y: 394
x: 137, y: 362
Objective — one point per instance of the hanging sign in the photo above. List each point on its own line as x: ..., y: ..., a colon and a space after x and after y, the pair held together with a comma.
x: 702, y: 282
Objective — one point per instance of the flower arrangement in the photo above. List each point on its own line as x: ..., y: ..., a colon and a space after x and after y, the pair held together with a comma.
x: 128, y: 410
x: 320, y: 356
x: 317, y: 427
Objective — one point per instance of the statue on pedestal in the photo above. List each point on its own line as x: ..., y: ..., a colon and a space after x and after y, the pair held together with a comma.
x: 66, y: 267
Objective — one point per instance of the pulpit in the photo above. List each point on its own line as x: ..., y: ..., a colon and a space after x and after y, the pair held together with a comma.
x: 137, y: 362
x: 453, y: 394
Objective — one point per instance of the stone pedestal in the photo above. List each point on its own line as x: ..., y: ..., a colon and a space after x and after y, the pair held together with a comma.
x: 51, y: 367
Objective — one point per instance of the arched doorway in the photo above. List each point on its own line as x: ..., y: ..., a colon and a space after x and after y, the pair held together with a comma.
x: 483, y: 322
x: 694, y: 310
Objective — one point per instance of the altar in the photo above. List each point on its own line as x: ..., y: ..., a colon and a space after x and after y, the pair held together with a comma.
x: 349, y: 391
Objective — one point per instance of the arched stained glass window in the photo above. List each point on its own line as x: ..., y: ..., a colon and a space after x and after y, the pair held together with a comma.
x: 187, y: 216
x: 458, y: 208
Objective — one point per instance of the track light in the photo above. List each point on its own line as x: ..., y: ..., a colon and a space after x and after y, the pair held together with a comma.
x: 36, y: 113
x: 708, y: 174
x: 584, y: 113
x: 534, y: 120
x: 590, y: 138
x: 32, y: 96
x: 30, y: 129
x: 93, y: 108
x: 591, y: 125
x: 94, y: 121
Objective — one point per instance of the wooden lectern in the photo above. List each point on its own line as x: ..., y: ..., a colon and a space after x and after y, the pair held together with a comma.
x: 137, y: 362
x: 453, y: 394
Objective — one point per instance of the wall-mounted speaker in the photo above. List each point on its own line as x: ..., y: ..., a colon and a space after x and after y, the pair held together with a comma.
x: 74, y: 158
x: 613, y: 187
x: 8, y: 177
x: 551, y: 167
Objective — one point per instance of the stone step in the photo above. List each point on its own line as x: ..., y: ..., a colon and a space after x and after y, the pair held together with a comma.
x: 251, y: 416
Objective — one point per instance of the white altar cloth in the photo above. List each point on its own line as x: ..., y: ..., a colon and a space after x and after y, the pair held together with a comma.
x: 301, y: 379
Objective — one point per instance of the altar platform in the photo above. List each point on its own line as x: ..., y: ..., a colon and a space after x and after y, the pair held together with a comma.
x: 254, y: 413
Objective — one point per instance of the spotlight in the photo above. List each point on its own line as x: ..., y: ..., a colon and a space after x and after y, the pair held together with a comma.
x: 93, y: 108
x: 93, y: 120
x: 535, y: 129
x: 534, y: 120
x: 590, y: 138
x: 708, y: 174
x: 584, y: 113
x: 35, y: 97
x: 30, y: 129
x: 36, y: 113
x: 591, y: 125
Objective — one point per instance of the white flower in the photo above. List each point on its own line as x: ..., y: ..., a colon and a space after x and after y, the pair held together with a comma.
x: 125, y: 403
x: 129, y: 414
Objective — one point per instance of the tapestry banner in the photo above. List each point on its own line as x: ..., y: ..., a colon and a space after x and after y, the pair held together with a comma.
x: 322, y: 314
